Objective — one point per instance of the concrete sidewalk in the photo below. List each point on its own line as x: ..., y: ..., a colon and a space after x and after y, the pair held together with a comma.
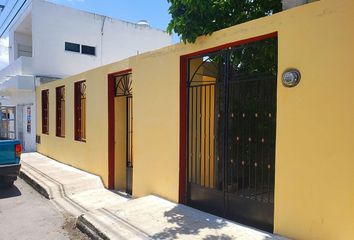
x: 103, y: 214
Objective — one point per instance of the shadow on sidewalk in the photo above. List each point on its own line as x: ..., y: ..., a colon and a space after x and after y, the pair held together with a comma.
x: 190, y: 222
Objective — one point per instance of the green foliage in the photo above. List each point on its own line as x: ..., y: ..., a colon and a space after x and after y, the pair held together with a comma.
x: 256, y: 58
x: 193, y: 18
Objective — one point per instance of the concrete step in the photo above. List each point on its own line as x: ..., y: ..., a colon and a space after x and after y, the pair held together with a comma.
x: 68, y: 179
x: 70, y: 189
x: 102, y: 224
x: 38, y: 181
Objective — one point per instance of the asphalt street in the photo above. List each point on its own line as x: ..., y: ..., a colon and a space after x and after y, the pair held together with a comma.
x: 26, y: 215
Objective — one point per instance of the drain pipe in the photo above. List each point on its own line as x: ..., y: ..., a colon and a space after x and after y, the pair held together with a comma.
x: 102, y: 33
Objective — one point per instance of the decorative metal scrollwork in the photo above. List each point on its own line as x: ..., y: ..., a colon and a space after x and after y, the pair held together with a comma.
x: 83, y: 90
x: 123, y: 85
x: 206, y: 71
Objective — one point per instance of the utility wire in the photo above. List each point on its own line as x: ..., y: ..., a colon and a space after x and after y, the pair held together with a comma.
x: 24, y: 2
x: 9, y: 13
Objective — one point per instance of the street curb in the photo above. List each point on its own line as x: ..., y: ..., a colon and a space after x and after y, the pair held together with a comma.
x: 33, y: 183
x: 89, y: 229
x: 81, y: 223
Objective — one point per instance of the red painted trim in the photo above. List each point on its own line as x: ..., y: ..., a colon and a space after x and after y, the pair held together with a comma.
x: 57, y: 90
x: 129, y: 70
x: 58, y: 130
x: 232, y: 44
x: 183, y: 106
x: 183, y: 131
x: 77, y: 104
x: 111, y: 129
x: 75, y: 109
x: 45, y: 101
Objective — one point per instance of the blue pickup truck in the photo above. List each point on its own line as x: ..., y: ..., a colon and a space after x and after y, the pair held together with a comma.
x: 10, y: 154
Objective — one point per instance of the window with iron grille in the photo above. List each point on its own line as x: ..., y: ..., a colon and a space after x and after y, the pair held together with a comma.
x: 80, y: 111
x: 60, y: 110
x: 45, y: 111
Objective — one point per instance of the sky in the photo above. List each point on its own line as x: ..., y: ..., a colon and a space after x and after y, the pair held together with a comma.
x: 4, y: 52
x: 154, y: 11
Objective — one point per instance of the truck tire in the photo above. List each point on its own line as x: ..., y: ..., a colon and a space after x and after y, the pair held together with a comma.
x: 7, y: 182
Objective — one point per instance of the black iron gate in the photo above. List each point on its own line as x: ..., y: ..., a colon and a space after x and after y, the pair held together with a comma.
x: 123, y: 88
x: 231, y: 132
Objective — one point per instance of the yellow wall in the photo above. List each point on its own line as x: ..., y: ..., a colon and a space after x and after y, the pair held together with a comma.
x: 91, y: 155
x: 314, y: 188
x: 120, y: 142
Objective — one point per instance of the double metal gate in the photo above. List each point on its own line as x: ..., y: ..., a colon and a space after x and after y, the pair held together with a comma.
x: 231, y: 132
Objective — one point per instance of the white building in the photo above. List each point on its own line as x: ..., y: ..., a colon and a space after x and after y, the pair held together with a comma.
x: 49, y: 41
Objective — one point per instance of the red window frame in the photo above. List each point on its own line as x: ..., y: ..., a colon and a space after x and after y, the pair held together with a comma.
x: 60, y: 109
x: 45, y: 111
x: 80, y: 122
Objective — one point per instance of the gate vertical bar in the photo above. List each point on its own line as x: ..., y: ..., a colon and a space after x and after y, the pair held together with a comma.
x: 225, y: 124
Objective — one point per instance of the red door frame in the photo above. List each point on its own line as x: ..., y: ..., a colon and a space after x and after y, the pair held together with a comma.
x: 111, y: 127
x: 183, y: 107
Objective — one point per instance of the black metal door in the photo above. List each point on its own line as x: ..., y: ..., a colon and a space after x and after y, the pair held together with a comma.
x: 231, y: 132
x: 123, y: 88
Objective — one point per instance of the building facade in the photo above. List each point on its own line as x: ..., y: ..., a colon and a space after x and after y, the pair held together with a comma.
x: 196, y: 125
x: 48, y: 41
